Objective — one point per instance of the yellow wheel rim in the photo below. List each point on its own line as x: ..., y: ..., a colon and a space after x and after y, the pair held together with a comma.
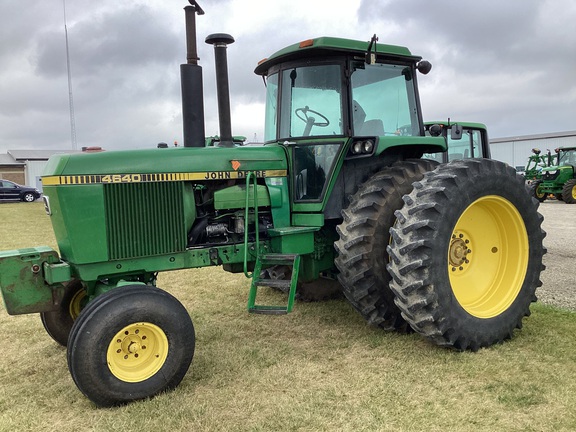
x: 137, y: 352
x: 488, y: 256
x: 539, y: 193
x: 574, y: 192
x: 75, y: 306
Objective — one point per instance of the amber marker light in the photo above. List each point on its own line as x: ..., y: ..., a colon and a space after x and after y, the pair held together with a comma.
x: 306, y: 43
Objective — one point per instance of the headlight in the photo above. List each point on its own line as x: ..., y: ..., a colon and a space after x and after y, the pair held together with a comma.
x: 47, y: 205
x: 362, y: 147
x: 367, y: 146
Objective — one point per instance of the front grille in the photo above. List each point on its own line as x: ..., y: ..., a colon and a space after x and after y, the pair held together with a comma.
x: 144, y: 219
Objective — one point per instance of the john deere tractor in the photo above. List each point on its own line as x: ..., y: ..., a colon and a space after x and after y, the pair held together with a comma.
x: 557, y: 178
x: 339, y: 192
x: 465, y: 140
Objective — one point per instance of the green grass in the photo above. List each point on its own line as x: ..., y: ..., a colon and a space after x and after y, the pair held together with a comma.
x: 320, y: 368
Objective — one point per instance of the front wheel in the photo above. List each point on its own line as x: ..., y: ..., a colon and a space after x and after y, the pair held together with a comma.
x: 569, y: 192
x: 466, y: 254
x: 130, y: 343
x: 28, y: 197
x: 536, y: 192
x: 58, y: 323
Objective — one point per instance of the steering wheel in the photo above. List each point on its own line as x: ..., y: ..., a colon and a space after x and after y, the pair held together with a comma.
x: 303, y: 114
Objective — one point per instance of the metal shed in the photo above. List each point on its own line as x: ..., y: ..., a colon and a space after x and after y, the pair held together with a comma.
x: 515, y: 150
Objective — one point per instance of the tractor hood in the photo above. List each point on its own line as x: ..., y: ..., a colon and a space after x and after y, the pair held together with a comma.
x: 196, y: 163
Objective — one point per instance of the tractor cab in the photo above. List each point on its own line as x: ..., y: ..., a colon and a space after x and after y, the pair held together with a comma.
x: 331, y: 101
x: 564, y: 166
x: 464, y: 140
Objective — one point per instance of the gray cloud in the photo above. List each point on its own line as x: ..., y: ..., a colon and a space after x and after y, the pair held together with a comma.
x: 507, y: 64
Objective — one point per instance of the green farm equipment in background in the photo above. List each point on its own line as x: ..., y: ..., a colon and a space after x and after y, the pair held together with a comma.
x: 465, y: 140
x: 557, y: 177
x: 537, y: 161
x: 340, y: 192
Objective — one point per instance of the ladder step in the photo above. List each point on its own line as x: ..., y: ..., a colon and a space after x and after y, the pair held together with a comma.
x: 273, y: 283
x: 278, y: 259
x: 288, y: 285
x: 268, y: 310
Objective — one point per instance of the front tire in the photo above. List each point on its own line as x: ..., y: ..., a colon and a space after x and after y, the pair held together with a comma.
x: 58, y: 323
x: 534, y: 190
x: 364, y: 235
x: 28, y: 197
x: 466, y: 254
x: 569, y: 192
x: 130, y: 343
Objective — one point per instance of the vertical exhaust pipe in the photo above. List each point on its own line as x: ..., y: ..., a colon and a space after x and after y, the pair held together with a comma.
x: 191, y: 82
x: 220, y: 42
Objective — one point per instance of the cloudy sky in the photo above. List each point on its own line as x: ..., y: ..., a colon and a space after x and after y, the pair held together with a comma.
x: 510, y: 64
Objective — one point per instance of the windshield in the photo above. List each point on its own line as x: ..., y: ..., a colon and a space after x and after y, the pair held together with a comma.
x: 384, y: 101
x: 468, y: 146
x: 311, y: 103
x: 568, y: 157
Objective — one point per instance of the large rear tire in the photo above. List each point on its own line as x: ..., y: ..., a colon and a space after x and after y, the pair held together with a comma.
x: 364, y: 235
x: 130, y: 343
x: 569, y: 192
x: 466, y: 254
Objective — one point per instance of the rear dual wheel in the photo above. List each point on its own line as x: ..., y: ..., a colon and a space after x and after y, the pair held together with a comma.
x: 364, y: 235
x: 466, y: 254
x: 130, y: 343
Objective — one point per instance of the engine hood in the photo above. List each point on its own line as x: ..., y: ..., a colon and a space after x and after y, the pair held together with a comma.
x: 193, y: 161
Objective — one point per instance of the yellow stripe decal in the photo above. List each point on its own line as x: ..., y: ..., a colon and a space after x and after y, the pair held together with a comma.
x: 163, y: 177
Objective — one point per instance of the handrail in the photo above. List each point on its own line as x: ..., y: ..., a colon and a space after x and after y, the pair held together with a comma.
x: 249, y: 176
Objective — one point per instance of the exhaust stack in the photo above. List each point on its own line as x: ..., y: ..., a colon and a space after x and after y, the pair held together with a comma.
x: 220, y: 42
x: 191, y: 82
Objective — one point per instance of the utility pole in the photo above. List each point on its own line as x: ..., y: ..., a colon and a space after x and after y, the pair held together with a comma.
x: 70, y: 97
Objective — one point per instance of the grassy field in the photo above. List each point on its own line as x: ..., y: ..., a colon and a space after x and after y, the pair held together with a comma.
x: 320, y: 368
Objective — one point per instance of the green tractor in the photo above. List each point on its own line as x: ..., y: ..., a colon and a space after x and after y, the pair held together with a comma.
x: 558, y: 178
x: 465, y: 140
x: 339, y: 191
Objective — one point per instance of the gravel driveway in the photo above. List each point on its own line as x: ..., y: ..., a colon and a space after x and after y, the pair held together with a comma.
x: 558, y: 280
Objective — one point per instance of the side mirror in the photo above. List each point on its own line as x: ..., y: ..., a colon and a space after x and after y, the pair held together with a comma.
x: 456, y: 131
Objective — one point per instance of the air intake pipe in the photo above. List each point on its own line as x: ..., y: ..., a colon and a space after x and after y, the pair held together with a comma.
x: 220, y: 42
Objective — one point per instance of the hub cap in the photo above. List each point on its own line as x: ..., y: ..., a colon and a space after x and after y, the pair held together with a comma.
x: 137, y: 352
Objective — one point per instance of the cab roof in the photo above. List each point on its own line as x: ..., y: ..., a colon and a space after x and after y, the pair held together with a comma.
x: 330, y: 46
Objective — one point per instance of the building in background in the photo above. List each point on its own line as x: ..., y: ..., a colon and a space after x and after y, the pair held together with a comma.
x: 25, y: 167
x: 11, y: 169
x: 516, y: 150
